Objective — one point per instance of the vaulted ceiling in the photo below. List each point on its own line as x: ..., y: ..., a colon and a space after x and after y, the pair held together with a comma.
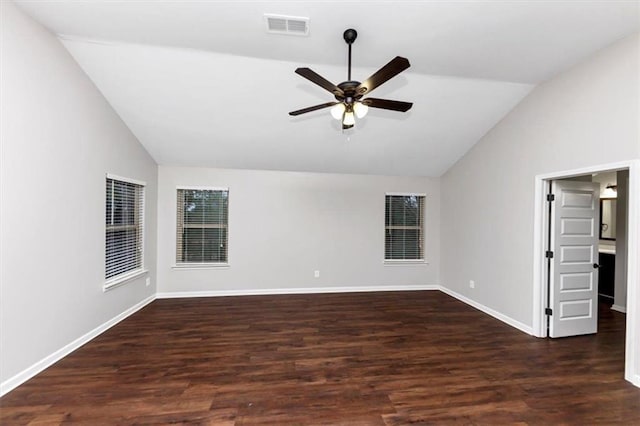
x: 202, y: 83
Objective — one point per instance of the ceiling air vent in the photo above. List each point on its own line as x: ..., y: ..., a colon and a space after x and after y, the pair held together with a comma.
x: 291, y: 25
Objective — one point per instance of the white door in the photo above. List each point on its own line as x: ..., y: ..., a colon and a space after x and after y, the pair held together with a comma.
x: 575, y: 219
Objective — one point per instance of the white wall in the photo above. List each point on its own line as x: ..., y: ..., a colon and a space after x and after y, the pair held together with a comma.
x: 285, y: 225
x: 583, y: 117
x: 58, y: 139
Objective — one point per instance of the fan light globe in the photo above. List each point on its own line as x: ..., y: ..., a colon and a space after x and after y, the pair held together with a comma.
x: 349, y: 119
x: 360, y: 109
x: 337, y: 111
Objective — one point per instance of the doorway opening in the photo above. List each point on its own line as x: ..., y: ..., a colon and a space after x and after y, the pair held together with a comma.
x: 603, y: 240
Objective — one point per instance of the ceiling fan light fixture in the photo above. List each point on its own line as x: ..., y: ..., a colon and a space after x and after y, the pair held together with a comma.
x: 348, y: 103
x: 360, y: 109
x: 337, y: 111
x: 348, y: 119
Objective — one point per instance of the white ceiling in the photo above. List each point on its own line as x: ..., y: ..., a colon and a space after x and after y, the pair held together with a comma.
x: 203, y: 84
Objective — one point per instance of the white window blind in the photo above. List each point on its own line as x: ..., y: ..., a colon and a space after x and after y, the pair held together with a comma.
x: 404, y: 227
x: 124, y: 227
x: 202, y: 226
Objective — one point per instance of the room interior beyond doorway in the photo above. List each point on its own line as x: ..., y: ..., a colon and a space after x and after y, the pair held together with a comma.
x: 632, y: 363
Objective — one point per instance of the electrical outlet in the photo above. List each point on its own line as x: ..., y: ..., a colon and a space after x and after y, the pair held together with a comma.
x: 316, y: 274
x: 472, y: 284
x: 148, y: 281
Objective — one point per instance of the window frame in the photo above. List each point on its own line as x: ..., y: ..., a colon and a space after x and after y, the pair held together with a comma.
x: 182, y: 265
x: 423, y: 257
x: 140, y: 270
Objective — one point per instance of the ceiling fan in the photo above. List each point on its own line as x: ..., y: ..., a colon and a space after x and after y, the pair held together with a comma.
x: 349, y: 93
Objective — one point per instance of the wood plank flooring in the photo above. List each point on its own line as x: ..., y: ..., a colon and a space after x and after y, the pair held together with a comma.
x: 392, y: 358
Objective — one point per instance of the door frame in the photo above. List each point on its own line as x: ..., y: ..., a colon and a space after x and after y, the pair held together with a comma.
x: 541, y: 222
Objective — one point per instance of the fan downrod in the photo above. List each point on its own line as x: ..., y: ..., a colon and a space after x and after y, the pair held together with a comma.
x: 349, y: 36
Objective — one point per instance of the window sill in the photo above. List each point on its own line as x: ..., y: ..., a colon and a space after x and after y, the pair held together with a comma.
x: 403, y: 262
x: 123, y: 279
x: 188, y: 266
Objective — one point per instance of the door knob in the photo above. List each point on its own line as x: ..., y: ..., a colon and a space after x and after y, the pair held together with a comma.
x: 596, y: 266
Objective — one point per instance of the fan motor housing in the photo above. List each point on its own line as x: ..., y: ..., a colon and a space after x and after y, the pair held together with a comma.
x: 350, y: 91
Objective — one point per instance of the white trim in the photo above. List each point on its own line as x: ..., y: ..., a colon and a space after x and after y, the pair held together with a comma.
x: 497, y: 315
x: 15, y: 381
x: 125, y: 277
x: 317, y: 290
x: 188, y: 266
x: 632, y: 358
x: 406, y: 194
x: 177, y: 265
x: 126, y: 179
x: 540, y: 223
x: 404, y: 262
x: 354, y: 289
x: 299, y: 290
x: 423, y: 229
x: 619, y: 308
x: 633, y: 253
x: 202, y: 188
x: 143, y: 244
x: 609, y: 167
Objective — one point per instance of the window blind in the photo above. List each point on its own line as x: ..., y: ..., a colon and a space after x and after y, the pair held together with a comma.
x: 202, y: 226
x: 404, y: 223
x: 124, y: 227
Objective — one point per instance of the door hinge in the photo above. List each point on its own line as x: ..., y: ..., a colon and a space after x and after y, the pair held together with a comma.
x: 551, y: 197
x: 548, y: 254
x: 548, y: 311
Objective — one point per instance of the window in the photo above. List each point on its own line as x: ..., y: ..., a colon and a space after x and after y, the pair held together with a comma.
x: 124, y: 229
x: 404, y: 227
x: 202, y: 228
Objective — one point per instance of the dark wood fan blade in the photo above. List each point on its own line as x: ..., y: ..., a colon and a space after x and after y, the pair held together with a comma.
x: 393, y: 68
x: 347, y: 126
x: 313, y: 108
x: 316, y: 78
x: 388, y: 104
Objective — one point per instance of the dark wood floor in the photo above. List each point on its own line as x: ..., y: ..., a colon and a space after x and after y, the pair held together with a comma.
x: 356, y: 359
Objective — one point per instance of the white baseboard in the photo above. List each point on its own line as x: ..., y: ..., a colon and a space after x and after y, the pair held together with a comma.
x: 497, y: 315
x: 619, y: 308
x: 15, y: 381
x: 315, y: 290
x: 301, y: 290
